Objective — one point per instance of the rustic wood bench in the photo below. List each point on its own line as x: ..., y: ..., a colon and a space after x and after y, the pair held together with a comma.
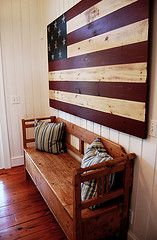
x: 59, y: 178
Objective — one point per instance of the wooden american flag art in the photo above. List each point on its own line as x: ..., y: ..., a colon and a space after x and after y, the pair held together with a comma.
x: 97, y: 53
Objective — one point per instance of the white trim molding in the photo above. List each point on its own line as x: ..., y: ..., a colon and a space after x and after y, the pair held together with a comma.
x: 17, y: 161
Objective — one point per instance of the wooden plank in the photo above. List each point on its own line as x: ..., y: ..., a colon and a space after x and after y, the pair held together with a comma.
x: 79, y: 8
x: 125, y: 125
x: 77, y: 233
x: 115, y: 38
x: 103, y: 58
x: 126, y: 91
x: 107, y: 222
x: 29, y: 217
x: 124, y: 108
x: 95, y: 12
x: 135, y: 12
x: 133, y: 73
x: 115, y: 150
x: 62, y: 188
x: 101, y: 199
x: 52, y: 196
x: 27, y: 228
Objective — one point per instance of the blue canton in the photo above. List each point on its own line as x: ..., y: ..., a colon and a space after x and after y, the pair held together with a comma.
x: 56, y: 32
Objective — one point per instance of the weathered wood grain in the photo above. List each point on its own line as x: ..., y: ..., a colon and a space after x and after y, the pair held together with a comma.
x: 131, y: 109
x: 133, y: 73
x: 97, y: 11
x: 115, y: 38
x: 126, y: 125
x: 28, y: 217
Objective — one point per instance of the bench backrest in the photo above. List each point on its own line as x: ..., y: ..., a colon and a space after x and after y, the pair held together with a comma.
x: 82, y: 136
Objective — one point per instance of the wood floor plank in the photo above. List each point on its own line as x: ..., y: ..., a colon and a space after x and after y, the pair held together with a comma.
x: 23, y: 212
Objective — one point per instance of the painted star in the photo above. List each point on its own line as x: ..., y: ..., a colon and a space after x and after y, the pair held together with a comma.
x: 63, y: 19
x: 59, y: 32
x: 64, y: 41
x: 60, y: 54
x: 56, y: 45
x: 55, y: 25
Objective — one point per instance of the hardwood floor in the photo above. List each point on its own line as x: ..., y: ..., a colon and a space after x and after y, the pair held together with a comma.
x: 23, y: 213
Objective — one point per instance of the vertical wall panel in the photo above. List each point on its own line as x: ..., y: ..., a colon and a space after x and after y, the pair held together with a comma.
x: 152, y: 229
x: 145, y: 184
x: 114, y: 135
x: 135, y: 145
x: 22, y: 61
x: 124, y: 140
x: 105, y: 132
x: 97, y: 128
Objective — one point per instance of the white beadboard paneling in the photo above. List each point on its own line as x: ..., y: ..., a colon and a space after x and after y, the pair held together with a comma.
x: 7, y: 58
x: 53, y: 112
x: 4, y: 141
x: 97, y: 128
x: 21, y: 44
x: 83, y: 123
x: 73, y: 119
x: 114, y: 135
x: 65, y: 116
x: 105, y: 132
x: 61, y: 114
x: 135, y: 145
x: 151, y: 228
x: 78, y: 121
x: 68, y: 117
x: 90, y: 126
x: 34, y: 55
x: 124, y: 140
x: 145, y: 184
x: 74, y: 141
x: 26, y: 51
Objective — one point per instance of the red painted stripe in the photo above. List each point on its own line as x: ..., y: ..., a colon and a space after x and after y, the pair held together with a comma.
x: 79, y: 8
x: 132, y: 53
x: 128, y: 91
x: 130, y: 14
x: 122, y: 124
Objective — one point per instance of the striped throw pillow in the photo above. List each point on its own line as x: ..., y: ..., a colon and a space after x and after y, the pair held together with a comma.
x: 94, y: 154
x: 49, y: 136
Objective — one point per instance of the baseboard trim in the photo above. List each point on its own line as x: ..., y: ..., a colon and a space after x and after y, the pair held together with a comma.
x: 17, y: 161
x: 131, y: 236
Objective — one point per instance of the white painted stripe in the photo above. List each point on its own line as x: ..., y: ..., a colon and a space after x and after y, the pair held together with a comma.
x: 124, y: 108
x: 97, y: 11
x: 133, y: 72
x: 133, y: 33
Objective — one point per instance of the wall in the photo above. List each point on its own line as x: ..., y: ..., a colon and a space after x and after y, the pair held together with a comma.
x: 4, y: 155
x: 23, y: 67
x: 144, y: 196
x: 24, y: 56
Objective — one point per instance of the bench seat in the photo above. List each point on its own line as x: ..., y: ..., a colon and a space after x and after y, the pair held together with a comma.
x: 57, y: 170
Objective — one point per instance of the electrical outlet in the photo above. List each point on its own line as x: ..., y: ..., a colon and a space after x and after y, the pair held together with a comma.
x: 153, y: 128
x: 131, y: 216
x: 15, y: 99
